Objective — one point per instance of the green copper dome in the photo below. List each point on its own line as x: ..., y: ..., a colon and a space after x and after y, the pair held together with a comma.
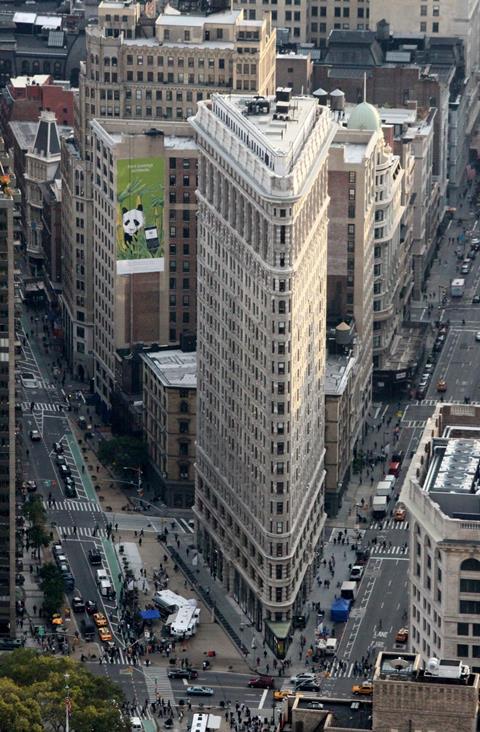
x: 364, y: 117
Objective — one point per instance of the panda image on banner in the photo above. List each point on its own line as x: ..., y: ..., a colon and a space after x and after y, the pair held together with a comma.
x: 132, y: 222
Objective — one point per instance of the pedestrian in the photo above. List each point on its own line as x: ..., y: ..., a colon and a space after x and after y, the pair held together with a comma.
x: 140, y: 541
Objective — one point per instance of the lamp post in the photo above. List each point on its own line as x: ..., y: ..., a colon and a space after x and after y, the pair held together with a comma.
x: 68, y: 704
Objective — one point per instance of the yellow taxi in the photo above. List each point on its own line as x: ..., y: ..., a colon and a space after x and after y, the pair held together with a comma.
x: 100, y: 620
x: 280, y: 694
x: 365, y: 688
x: 105, y: 634
x: 401, y: 635
x: 57, y: 619
x: 441, y: 385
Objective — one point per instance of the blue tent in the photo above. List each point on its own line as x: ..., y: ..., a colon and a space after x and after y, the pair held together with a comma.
x: 340, y: 610
x: 149, y: 614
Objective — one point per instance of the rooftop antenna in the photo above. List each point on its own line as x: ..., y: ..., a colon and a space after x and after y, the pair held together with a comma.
x: 364, y: 86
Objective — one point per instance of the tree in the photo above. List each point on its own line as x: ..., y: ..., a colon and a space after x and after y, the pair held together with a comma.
x: 52, y: 586
x: 33, y: 692
x: 123, y: 452
x: 35, y: 513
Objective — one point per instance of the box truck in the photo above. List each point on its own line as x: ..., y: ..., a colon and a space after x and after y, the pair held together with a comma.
x: 379, y: 507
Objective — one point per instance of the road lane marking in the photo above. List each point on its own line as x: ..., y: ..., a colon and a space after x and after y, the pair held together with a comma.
x: 263, y: 698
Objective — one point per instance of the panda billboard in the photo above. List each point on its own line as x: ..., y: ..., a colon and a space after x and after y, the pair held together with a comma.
x: 140, y: 198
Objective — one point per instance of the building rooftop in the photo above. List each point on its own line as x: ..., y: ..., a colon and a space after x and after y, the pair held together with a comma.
x: 453, y: 478
x: 20, y: 82
x: 275, y: 129
x: 25, y: 133
x: 175, y: 369
x: 346, y: 714
x: 405, y: 667
x: 337, y: 371
x: 227, y: 18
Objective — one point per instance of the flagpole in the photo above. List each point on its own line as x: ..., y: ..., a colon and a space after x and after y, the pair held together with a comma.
x: 67, y: 705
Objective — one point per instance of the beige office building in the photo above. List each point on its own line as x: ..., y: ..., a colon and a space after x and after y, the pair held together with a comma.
x: 159, y: 68
x: 262, y: 260
x: 441, y: 495
x: 352, y: 164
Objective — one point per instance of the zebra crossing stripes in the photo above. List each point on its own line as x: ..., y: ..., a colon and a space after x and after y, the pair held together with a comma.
x: 158, y: 684
x: 414, y: 423
x: 42, y: 407
x: 185, y: 525
x: 389, y: 524
x: 72, y: 505
x: 82, y: 532
x: 397, y: 549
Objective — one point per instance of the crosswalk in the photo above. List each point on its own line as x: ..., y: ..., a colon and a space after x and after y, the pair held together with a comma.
x: 73, y: 505
x: 82, y: 532
x: 389, y: 524
x: 397, y: 549
x: 434, y: 402
x: 158, y: 684
x: 187, y: 527
x: 414, y: 423
x: 42, y: 407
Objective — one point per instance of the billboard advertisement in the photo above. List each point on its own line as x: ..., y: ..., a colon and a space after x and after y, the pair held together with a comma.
x: 140, y: 196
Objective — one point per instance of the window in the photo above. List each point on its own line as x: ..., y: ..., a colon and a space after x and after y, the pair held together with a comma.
x: 469, y: 607
x: 435, y: 27
x: 423, y: 27
x: 462, y: 629
x: 423, y: 10
x: 436, y: 11
x: 470, y: 565
x: 462, y: 650
x: 470, y: 585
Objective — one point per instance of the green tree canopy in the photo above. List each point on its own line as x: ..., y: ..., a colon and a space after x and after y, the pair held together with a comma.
x: 123, y: 452
x: 33, y: 693
x: 51, y: 584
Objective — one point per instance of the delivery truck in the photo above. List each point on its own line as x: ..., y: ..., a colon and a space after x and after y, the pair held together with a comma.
x: 348, y: 590
x: 379, y: 507
x: 384, y: 488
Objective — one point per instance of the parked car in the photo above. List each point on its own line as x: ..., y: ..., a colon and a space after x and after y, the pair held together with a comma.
x: 475, y: 299
x: 30, y: 485
x: 200, y: 691
x: 78, y: 606
x: 61, y: 460
x: 477, y: 335
x: 58, y: 448
x: 64, y: 471
x: 70, y: 490
x: 261, y: 682
x: 90, y: 607
x: 35, y: 436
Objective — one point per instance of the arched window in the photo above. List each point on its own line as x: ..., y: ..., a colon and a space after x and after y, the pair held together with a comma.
x: 470, y: 565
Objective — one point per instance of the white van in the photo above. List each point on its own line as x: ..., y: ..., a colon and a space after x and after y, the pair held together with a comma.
x: 136, y: 724
x: 331, y: 646
x: 391, y: 479
x: 384, y: 488
x: 101, y: 576
x: 105, y: 588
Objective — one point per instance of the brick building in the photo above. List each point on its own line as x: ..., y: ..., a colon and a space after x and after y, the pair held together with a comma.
x: 169, y: 421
